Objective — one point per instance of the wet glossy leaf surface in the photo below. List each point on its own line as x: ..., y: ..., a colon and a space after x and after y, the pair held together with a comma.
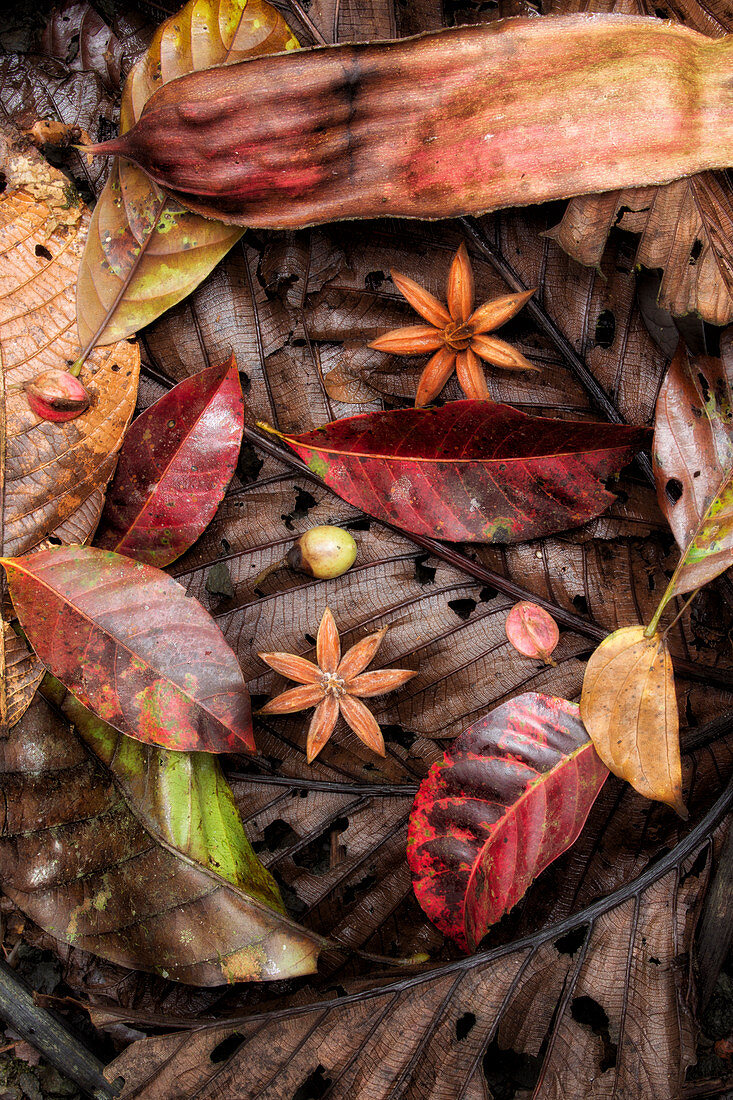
x: 470, y: 470
x: 174, y: 467
x: 83, y: 855
x: 510, y: 795
x: 123, y: 637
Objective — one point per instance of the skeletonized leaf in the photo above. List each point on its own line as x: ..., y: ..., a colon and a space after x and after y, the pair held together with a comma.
x: 145, y: 252
x: 125, y: 639
x: 629, y: 708
x: 175, y: 464
x: 116, y: 863
x: 471, y: 470
x: 510, y: 795
x: 693, y: 465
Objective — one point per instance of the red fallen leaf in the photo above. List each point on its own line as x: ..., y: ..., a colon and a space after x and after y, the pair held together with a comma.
x: 175, y: 464
x: 510, y: 795
x: 133, y: 647
x: 532, y: 631
x: 470, y: 471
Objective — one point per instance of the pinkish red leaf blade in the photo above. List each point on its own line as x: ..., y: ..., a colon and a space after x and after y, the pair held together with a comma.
x: 510, y: 795
x: 470, y: 471
x: 176, y: 462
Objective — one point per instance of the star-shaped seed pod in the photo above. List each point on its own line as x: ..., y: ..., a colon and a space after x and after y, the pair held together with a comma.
x: 457, y: 334
x: 335, y: 685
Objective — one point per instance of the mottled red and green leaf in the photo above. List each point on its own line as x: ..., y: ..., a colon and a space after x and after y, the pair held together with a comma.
x: 174, y: 467
x: 133, y: 647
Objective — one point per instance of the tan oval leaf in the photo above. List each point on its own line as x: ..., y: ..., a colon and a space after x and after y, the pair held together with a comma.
x: 629, y: 708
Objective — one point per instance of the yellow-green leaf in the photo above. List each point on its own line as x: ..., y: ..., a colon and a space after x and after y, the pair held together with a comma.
x: 145, y: 253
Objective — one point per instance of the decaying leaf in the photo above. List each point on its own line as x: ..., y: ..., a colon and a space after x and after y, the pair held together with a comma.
x: 113, y: 860
x: 53, y: 474
x: 77, y: 35
x: 123, y: 637
x: 629, y: 708
x: 22, y: 673
x: 175, y: 464
x: 35, y: 89
x: 693, y: 466
x: 145, y: 252
x: 510, y: 795
x: 270, y: 142
x: 470, y: 470
x: 459, y: 1025
x: 684, y: 227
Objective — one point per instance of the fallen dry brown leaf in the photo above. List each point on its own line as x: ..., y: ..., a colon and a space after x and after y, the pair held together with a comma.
x: 693, y: 465
x: 629, y: 708
x: 53, y: 474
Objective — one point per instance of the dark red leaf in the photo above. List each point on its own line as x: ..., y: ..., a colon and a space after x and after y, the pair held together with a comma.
x: 174, y: 467
x: 509, y: 796
x: 471, y: 471
x: 133, y: 647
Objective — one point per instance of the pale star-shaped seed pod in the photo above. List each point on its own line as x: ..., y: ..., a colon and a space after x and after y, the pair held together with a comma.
x: 457, y: 334
x: 335, y: 685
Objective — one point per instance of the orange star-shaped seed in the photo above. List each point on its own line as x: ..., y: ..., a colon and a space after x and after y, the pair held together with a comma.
x: 458, y: 335
x: 336, y: 684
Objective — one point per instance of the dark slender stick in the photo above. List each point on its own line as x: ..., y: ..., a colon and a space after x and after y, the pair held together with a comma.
x: 51, y: 1037
x: 386, y: 790
x: 716, y: 925
x: 451, y: 556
